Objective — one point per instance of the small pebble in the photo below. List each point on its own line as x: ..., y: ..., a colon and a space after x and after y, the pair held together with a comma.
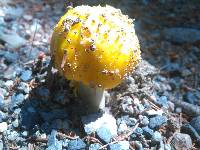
x: 8, y: 84
x: 138, y: 131
x: 76, y: 144
x: 157, y: 137
x: 24, y: 133
x: 104, y: 134
x: 121, y: 145
x: 26, y: 75
x: 13, y: 136
x: 16, y: 100
x: 162, y: 101
x: 27, y: 17
x: 23, y: 87
x: 186, y: 72
x: 65, y: 143
x: 3, y: 127
x: 148, y: 132
x: 157, y: 121
x: 178, y: 110
x: 144, y: 120
x: 94, y: 146
x: 122, y: 128
x: 15, y: 123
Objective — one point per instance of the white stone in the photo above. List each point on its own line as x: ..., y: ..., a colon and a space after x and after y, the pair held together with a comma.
x: 3, y: 127
x: 94, y: 121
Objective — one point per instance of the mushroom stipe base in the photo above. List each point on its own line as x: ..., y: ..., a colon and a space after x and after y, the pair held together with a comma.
x: 94, y: 98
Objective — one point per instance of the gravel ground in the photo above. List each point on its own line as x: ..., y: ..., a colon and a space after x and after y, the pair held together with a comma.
x: 157, y: 107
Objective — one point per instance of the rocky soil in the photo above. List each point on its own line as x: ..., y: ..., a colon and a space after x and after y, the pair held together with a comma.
x: 157, y: 107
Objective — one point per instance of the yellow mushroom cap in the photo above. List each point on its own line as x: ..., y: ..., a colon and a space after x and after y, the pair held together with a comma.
x: 95, y: 45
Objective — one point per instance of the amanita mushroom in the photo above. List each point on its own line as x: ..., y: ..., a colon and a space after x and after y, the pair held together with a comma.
x: 96, y: 47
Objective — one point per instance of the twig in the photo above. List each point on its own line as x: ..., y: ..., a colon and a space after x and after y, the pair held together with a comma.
x: 62, y: 135
x: 35, y: 139
x: 93, y: 139
x: 121, y: 138
x: 33, y: 39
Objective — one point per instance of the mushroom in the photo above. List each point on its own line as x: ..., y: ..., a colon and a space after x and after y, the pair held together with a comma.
x: 95, y: 47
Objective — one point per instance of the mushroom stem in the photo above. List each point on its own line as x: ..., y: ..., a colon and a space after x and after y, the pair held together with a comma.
x: 93, y: 97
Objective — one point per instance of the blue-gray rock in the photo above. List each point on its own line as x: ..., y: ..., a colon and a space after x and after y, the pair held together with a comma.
x: 11, y: 57
x: 129, y: 121
x: 53, y: 142
x: 144, y: 120
x: 195, y: 123
x: 190, y: 98
x: 76, y: 144
x: 157, y: 121
x: 181, y: 35
x: 12, y: 39
x: 121, y: 145
x: 162, y: 101
x: 157, y: 137
x: 26, y: 75
x: 127, y: 106
x: 138, y: 131
x: 181, y: 141
x: 94, y: 146
x: 148, y: 132
x: 16, y: 100
x: 104, y: 134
